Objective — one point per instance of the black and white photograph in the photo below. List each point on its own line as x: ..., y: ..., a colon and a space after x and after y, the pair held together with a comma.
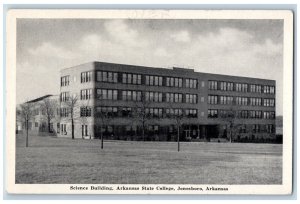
x: 150, y: 102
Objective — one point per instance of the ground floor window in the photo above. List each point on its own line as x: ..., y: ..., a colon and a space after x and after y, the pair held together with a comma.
x: 58, y: 128
x: 84, y: 129
x: 63, y: 129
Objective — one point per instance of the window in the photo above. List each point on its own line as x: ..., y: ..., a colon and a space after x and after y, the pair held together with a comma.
x: 256, y: 128
x: 170, y: 112
x: 154, y: 80
x: 126, y: 112
x: 86, y: 77
x: 269, y: 102
x: 258, y: 88
x: 84, y: 130
x: 154, y: 112
x: 36, y: 124
x: 191, y: 83
x: 85, y: 94
x: 173, y: 82
x: 64, y: 112
x: 272, y: 89
x: 107, y: 94
x: 212, y: 85
x: 270, y: 128
x: 212, y: 113
x: 244, y: 87
x: 241, y: 101
x: 174, y: 97
x: 269, y: 115
x: 131, y: 95
x: 65, y: 81
x: 243, y: 114
x: 212, y: 99
x: 255, y: 101
x: 226, y: 100
x: 85, y: 111
x: 131, y: 78
x: 153, y: 96
x: 223, y: 86
x: 64, y: 96
x: 253, y: 88
x: 104, y: 76
x: 106, y: 111
x: 191, y: 98
x: 58, y: 128
x: 238, y: 87
x: 191, y: 113
x: 63, y: 129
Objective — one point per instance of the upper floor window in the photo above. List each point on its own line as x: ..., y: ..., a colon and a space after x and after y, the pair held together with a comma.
x: 255, y: 101
x: 191, y: 83
x: 154, y: 80
x: 64, y: 96
x: 255, y: 114
x: 86, y: 94
x: 106, y: 111
x: 241, y: 101
x: 226, y: 100
x: 212, y: 99
x: 153, y: 96
x: 64, y: 112
x: 107, y: 94
x: 86, y: 77
x: 226, y: 86
x: 127, y: 112
x: 154, y: 112
x: 191, y: 113
x: 191, y: 98
x: 131, y: 95
x: 85, y: 111
x: 104, y: 76
x: 213, y: 85
x: 131, y: 78
x: 172, y: 112
x: 269, y: 89
x: 212, y: 113
x: 65, y: 81
x: 174, y: 97
x: 174, y: 82
x: 269, y: 102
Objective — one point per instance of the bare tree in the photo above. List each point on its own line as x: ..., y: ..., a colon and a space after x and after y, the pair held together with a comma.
x: 177, y: 118
x: 104, y: 114
x: 141, y: 115
x: 71, y: 105
x: 26, y: 114
x: 231, y: 119
x: 49, y: 107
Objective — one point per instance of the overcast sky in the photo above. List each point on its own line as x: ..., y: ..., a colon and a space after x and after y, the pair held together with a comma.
x: 251, y: 48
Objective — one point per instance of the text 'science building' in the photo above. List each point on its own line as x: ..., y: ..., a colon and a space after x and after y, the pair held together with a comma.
x: 120, y: 100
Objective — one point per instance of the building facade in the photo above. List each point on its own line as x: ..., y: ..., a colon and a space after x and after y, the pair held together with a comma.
x: 118, y: 100
x: 44, y: 116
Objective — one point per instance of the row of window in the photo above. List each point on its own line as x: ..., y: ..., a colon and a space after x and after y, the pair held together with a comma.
x: 110, y: 94
x: 128, y: 78
x: 229, y: 100
x: 252, y: 114
x: 240, y: 87
x: 104, y: 111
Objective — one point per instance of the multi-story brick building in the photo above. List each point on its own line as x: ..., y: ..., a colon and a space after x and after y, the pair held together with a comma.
x: 205, y: 101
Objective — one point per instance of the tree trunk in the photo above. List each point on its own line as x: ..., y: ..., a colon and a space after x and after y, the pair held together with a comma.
x: 73, y: 129
x: 49, y: 130
x: 178, y: 135
x: 143, y: 132
x: 27, y: 134
x: 101, y: 137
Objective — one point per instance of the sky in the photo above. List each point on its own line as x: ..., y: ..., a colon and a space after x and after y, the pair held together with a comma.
x: 250, y: 48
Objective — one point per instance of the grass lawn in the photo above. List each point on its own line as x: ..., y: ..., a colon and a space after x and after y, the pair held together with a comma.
x: 57, y: 160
